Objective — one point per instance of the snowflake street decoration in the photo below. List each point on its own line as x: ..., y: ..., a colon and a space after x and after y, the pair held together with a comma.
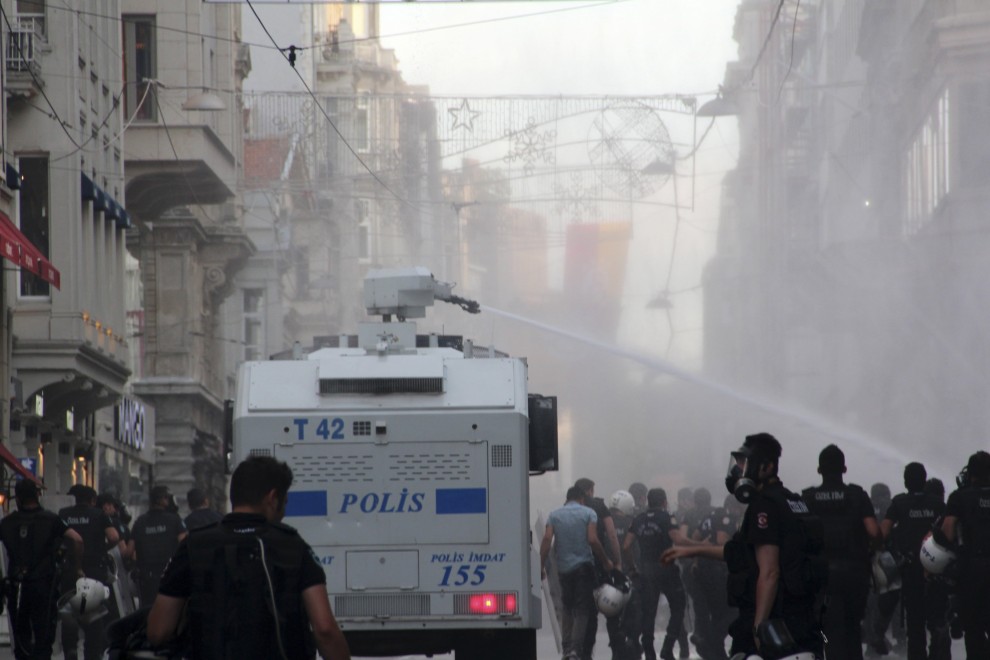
x: 463, y: 116
x: 574, y: 200
x: 624, y: 142
x: 531, y: 146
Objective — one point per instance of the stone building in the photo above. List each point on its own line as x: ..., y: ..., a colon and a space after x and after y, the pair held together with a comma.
x: 183, y: 164
x: 852, y: 248
x: 64, y: 355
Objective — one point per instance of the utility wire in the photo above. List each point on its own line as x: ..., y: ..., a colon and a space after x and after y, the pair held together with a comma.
x: 766, y: 41
x: 168, y: 134
x: 790, y: 63
x: 38, y: 83
x: 319, y: 105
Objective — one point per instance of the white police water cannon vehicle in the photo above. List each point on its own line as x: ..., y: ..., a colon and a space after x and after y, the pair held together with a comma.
x: 412, y: 456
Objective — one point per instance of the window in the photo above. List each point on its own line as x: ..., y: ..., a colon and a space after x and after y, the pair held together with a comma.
x: 33, y: 216
x: 926, y: 173
x: 974, y: 144
x: 364, y: 242
x: 254, y: 334
x: 140, y: 64
x: 361, y: 125
x: 31, y: 16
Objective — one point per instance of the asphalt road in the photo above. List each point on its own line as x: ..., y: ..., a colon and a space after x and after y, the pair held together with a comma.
x: 546, y: 649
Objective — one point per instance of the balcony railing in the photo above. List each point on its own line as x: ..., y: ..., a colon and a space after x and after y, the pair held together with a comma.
x: 26, y: 39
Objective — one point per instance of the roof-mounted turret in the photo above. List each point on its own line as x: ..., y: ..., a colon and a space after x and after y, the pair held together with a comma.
x: 407, y: 292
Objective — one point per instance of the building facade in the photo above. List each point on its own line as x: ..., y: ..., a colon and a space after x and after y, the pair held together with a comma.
x: 183, y: 164
x: 852, y: 241
x: 65, y: 349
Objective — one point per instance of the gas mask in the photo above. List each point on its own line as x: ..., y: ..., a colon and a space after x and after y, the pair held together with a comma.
x: 962, y: 479
x: 742, y: 476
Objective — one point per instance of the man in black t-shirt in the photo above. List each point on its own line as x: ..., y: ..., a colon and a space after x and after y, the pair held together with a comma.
x: 234, y: 574
x: 775, y: 572
x: 851, y: 530
x: 712, y: 614
x: 655, y: 530
x: 909, y: 519
x: 32, y: 537
x: 154, y: 538
x: 967, y: 519
x: 98, y: 534
x: 200, y: 513
x: 610, y: 542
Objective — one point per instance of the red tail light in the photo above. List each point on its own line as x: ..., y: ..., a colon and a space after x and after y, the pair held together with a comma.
x: 486, y: 603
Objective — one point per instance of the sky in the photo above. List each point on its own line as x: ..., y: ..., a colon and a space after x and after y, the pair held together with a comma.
x: 619, y: 48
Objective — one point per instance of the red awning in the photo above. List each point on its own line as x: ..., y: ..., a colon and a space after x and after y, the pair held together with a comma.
x: 15, y: 247
x: 7, y: 457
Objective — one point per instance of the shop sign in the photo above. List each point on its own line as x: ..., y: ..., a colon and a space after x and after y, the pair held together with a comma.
x: 129, y: 424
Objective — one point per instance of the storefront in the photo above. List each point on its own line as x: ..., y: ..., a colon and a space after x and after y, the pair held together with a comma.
x: 125, y: 456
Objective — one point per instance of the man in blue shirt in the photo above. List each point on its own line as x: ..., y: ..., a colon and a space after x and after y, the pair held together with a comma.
x: 572, y: 531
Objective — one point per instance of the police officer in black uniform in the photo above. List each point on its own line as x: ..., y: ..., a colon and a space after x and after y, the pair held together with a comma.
x: 851, y: 530
x: 967, y: 522
x: 154, y: 539
x: 909, y: 519
x: 200, y: 512
x: 610, y: 541
x: 712, y: 614
x: 776, y: 568
x: 253, y: 586
x: 656, y: 530
x: 111, y: 506
x: 33, y: 537
x: 98, y: 534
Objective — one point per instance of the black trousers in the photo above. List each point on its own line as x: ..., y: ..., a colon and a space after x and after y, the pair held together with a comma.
x: 32, y: 613
x: 149, y: 577
x: 712, y: 614
x: 847, y: 591
x: 665, y: 580
x: 577, y: 598
x: 974, y: 585
x: 925, y: 611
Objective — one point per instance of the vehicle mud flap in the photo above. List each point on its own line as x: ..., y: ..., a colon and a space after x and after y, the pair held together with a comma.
x: 550, y: 585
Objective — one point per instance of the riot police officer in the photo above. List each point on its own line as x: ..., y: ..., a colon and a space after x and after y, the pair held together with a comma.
x: 98, y: 534
x: 656, y: 531
x: 776, y: 571
x: 154, y: 538
x: 967, y: 521
x: 850, y: 530
x: 251, y: 586
x: 712, y: 614
x: 623, y: 630
x: 909, y: 519
x: 33, y: 537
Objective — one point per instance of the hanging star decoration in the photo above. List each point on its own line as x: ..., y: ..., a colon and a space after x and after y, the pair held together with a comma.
x: 463, y: 116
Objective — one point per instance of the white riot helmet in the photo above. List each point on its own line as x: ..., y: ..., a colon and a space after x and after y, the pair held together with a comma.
x: 935, y: 554
x: 622, y: 500
x: 886, y: 574
x: 611, y: 597
x: 86, y: 603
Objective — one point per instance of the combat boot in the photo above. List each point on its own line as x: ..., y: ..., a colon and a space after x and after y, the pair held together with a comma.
x: 667, y: 650
x: 648, y: 652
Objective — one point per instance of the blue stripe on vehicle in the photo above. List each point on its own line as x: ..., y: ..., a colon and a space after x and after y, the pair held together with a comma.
x: 462, y: 500
x: 306, y: 503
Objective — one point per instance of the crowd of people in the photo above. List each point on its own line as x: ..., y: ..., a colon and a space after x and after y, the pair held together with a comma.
x: 773, y: 573
x: 61, y: 567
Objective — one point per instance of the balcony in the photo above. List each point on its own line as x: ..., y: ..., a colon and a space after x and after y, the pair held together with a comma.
x: 26, y: 42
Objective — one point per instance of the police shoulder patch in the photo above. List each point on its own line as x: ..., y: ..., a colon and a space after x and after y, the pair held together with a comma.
x: 762, y: 520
